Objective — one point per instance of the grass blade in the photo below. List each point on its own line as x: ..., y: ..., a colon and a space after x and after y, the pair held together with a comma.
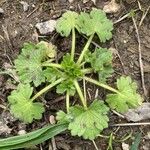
x: 136, y: 143
x: 33, y: 138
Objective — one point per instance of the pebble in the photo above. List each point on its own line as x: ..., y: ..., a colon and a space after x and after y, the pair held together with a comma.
x: 46, y: 27
x: 111, y: 7
x: 1, y: 11
x: 125, y: 146
x: 21, y: 132
x: 71, y: 1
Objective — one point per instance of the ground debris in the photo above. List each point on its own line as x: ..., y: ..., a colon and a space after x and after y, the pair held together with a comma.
x: 141, y: 113
x: 25, y: 5
x: 4, y: 119
x: 4, y: 129
x: 46, y: 27
x: 147, y: 137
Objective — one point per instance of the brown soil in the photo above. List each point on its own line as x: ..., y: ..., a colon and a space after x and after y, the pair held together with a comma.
x: 17, y: 27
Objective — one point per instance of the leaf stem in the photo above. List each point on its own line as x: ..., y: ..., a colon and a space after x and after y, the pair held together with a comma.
x: 101, y: 85
x: 52, y: 65
x: 87, y: 70
x: 85, y: 49
x: 73, y: 44
x: 80, y: 93
x: 46, y: 88
x: 67, y: 102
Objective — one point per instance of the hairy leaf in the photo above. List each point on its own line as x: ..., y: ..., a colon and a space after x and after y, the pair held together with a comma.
x: 52, y: 74
x: 127, y: 98
x: 28, y: 64
x: 66, y: 23
x: 72, y: 70
x: 89, y: 123
x: 101, y: 62
x: 66, y: 86
x: 62, y: 117
x: 95, y: 22
x: 21, y: 105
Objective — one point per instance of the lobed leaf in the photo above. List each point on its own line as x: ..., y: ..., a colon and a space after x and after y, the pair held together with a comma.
x: 62, y: 117
x: 89, y: 123
x: 66, y: 86
x: 66, y: 23
x: 86, y: 123
x: 127, y: 98
x: 28, y: 64
x: 52, y: 74
x: 21, y: 105
x: 101, y: 62
x: 95, y: 22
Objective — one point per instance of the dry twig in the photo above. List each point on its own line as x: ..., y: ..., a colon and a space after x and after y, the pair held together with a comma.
x: 144, y: 15
x: 130, y: 124
x: 140, y: 56
x: 95, y: 145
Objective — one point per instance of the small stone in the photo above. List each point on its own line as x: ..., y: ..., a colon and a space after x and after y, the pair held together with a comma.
x: 125, y: 146
x: 1, y: 11
x: 52, y: 119
x: 25, y: 5
x: 71, y: 1
x: 46, y: 27
x: 21, y: 132
x: 111, y: 7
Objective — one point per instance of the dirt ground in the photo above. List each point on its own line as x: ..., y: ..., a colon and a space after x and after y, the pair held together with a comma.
x: 18, y: 26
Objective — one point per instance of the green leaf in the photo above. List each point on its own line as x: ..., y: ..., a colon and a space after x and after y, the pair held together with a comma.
x: 21, y: 105
x: 127, y: 98
x: 101, y: 62
x: 32, y: 138
x: 28, y: 64
x: 89, y: 123
x: 66, y: 23
x: 52, y: 74
x: 136, y: 143
x: 66, y: 86
x: 62, y: 117
x: 72, y: 70
x: 95, y: 22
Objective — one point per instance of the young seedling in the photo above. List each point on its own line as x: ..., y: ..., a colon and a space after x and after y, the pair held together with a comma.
x: 36, y: 65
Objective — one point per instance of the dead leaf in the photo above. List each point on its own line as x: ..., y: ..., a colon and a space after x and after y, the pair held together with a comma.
x: 141, y: 113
